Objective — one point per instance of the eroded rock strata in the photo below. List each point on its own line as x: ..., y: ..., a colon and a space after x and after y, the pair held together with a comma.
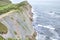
x: 18, y: 23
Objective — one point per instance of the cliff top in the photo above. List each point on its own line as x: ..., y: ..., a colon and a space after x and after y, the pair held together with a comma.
x: 10, y: 6
x: 4, y: 2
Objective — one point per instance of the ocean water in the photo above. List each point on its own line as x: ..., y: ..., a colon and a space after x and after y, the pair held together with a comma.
x: 47, y: 21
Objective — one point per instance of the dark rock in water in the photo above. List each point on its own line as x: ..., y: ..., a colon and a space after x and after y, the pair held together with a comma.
x: 47, y: 38
x: 57, y: 30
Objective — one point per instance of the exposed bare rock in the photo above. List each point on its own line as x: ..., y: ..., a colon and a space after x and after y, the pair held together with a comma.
x: 19, y: 23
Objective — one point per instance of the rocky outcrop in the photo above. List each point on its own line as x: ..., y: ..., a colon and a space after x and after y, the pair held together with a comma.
x: 19, y: 23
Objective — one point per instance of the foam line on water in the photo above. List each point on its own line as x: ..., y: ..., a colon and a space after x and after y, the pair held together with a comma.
x: 34, y: 14
x: 48, y: 26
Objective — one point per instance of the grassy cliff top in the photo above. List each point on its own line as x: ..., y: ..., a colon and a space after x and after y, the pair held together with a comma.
x: 8, y: 7
x: 4, y: 2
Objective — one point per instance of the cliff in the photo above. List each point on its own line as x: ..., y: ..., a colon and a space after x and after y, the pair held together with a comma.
x: 16, y: 22
x: 4, y: 2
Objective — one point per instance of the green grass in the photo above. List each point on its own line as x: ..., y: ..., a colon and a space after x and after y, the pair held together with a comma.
x: 7, y: 8
x: 13, y: 39
x: 27, y: 39
x: 15, y: 32
x: 10, y: 38
x: 4, y: 2
x: 22, y: 3
x: 3, y: 29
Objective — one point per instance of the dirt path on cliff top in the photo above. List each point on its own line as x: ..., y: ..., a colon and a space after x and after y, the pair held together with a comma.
x: 6, y: 14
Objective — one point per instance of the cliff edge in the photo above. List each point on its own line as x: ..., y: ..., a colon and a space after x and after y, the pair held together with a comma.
x: 16, y: 22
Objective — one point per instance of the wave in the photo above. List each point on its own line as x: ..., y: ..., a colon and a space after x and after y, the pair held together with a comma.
x: 48, y: 26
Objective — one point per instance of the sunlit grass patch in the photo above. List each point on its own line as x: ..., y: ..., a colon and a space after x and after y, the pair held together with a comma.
x: 3, y: 29
x: 9, y: 7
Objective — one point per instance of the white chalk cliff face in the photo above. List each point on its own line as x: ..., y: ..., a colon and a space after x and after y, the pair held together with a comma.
x: 19, y: 24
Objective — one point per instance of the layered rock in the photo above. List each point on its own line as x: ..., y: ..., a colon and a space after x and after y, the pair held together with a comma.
x: 19, y: 23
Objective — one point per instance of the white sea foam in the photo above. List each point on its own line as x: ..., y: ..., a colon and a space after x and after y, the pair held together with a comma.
x: 40, y: 25
x: 48, y: 26
x: 34, y: 14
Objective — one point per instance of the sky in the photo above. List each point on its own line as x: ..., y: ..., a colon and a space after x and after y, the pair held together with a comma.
x: 38, y: 1
x: 55, y: 3
x: 16, y: 1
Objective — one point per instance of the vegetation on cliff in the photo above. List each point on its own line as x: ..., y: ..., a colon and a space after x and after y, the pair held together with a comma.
x: 20, y: 23
x: 4, y: 2
x: 8, y: 7
x: 3, y: 29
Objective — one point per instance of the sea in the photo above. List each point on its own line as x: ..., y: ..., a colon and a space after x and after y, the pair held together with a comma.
x: 46, y: 19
